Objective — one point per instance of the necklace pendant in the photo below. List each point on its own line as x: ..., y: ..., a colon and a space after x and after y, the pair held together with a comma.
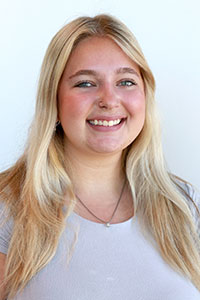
x: 108, y: 224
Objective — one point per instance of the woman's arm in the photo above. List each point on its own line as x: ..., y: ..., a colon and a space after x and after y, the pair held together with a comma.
x: 2, y: 268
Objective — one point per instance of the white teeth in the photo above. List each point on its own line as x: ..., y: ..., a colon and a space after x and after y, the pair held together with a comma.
x: 110, y: 123
x: 105, y: 123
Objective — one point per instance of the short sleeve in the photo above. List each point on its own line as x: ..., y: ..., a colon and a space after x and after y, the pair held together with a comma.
x: 194, y: 205
x: 6, y: 226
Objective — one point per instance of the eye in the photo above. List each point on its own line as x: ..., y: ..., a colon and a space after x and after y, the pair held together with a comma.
x: 127, y: 83
x: 84, y: 84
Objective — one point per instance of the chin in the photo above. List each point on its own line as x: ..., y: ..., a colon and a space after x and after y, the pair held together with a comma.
x: 107, y: 148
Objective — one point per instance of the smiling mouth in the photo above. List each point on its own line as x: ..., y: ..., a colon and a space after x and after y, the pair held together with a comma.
x: 106, y: 123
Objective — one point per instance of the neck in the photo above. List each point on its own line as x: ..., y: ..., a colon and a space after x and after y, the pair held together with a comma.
x: 94, y: 175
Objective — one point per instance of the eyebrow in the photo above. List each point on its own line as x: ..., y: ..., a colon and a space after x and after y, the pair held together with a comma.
x: 127, y: 70
x: 94, y: 73
x: 84, y: 72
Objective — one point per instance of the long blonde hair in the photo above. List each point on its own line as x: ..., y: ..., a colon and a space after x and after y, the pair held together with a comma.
x: 33, y: 189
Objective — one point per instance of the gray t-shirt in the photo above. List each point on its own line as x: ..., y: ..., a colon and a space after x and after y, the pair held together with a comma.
x: 112, y: 263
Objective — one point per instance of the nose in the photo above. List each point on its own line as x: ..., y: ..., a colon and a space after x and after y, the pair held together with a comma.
x: 108, y: 97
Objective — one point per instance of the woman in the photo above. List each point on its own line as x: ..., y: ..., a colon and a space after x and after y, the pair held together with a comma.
x: 89, y: 211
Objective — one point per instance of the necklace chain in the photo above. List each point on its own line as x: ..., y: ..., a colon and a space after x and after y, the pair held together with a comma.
x: 108, y: 222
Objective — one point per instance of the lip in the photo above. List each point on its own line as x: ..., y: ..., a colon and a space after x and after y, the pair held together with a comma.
x: 106, y: 128
x: 106, y: 118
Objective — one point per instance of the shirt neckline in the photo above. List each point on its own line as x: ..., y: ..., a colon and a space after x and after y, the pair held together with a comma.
x: 90, y: 222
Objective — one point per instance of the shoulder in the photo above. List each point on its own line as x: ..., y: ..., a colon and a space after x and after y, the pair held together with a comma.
x: 191, y: 195
x: 192, y: 198
x: 194, y: 202
x: 6, y: 226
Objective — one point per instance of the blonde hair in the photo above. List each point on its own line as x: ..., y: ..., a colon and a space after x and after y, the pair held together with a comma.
x: 34, y: 188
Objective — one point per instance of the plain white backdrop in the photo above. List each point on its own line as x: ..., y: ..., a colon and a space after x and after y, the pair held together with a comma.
x: 169, y: 34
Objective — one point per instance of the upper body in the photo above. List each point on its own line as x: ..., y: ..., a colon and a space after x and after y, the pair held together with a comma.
x: 94, y: 148
x: 108, y: 263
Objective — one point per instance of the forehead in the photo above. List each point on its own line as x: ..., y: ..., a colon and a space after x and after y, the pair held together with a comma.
x: 98, y: 53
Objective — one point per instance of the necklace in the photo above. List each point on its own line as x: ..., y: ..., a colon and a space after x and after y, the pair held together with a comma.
x: 107, y: 224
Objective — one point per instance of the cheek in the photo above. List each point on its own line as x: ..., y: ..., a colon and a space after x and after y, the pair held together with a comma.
x: 135, y: 103
x: 72, y: 106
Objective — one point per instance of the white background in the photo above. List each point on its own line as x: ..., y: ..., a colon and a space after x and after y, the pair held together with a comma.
x: 169, y: 33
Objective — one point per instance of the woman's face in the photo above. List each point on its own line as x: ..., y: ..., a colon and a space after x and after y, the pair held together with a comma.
x: 101, y: 100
